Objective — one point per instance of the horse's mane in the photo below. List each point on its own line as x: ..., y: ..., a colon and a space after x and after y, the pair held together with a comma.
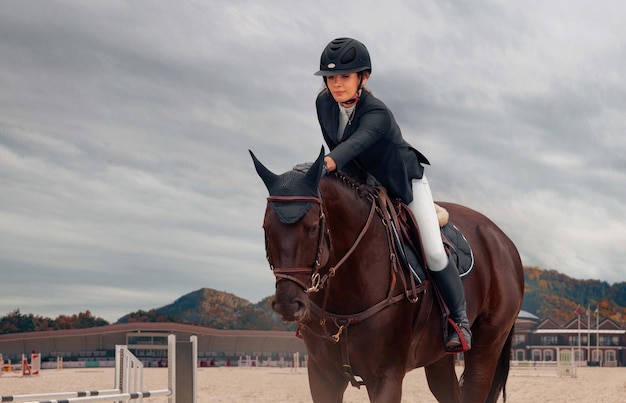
x: 362, y: 190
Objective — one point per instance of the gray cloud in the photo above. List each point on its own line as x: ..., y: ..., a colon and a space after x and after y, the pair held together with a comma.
x: 124, y: 130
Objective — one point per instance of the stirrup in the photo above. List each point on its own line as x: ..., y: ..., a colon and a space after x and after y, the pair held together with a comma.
x: 464, y: 343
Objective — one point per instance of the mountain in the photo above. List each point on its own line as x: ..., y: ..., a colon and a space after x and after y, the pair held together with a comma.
x: 547, y: 293
x: 215, y: 309
x: 553, y: 294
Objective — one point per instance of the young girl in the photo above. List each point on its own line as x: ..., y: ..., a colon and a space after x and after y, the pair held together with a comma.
x: 366, y: 143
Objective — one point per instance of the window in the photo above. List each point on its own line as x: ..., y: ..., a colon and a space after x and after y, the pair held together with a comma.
x: 550, y: 340
x: 536, y: 355
x: 519, y: 339
x: 610, y: 356
x: 609, y: 340
x: 579, y: 355
x: 146, y: 339
x: 596, y: 355
x: 573, y: 340
x: 565, y: 355
x: 547, y: 355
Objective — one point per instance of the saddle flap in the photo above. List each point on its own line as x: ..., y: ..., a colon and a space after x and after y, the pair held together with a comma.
x: 456, y: 245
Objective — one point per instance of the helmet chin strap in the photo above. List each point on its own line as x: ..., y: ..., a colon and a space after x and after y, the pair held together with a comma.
x: 351, y: 102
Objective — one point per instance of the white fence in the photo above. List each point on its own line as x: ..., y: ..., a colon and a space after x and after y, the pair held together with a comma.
x: 563, y: 366
x: 182, y: 367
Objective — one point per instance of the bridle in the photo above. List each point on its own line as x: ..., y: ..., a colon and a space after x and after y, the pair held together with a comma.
x: 290, y: 273
x: 317, y: 281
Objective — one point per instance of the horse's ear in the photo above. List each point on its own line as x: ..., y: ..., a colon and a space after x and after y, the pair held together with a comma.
x: 266, y: 175
x: 314, y: 174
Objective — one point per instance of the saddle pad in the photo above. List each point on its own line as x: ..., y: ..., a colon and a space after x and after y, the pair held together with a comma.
x: 458, y: 248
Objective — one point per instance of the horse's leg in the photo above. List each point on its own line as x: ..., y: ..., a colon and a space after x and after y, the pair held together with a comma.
x: 442, y: 380
x: 481, y: 361
x: 386, y: 387
x: 327, y: 386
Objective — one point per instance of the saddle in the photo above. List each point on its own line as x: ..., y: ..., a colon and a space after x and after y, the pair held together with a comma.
x: 406, y: 242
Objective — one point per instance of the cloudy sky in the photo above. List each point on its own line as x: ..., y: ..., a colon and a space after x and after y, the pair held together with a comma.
x: 125, y: 178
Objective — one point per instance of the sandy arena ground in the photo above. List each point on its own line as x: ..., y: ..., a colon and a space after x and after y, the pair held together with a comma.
x: 598, y: 385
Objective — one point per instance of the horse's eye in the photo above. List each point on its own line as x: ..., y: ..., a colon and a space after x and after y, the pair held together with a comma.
x: 313, y: 231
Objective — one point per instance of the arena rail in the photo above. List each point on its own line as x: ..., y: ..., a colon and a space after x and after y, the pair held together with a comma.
x: 182, y: 360
x: 563, y: 366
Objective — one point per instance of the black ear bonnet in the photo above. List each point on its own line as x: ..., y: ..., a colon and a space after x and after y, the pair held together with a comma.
x: 291, y: 183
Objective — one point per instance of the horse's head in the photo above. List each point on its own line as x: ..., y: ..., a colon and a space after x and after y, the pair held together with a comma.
x: 296, y: 239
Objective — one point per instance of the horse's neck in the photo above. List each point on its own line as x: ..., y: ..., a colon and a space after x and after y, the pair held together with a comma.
x: 347, y: 211
x: 366, y: 272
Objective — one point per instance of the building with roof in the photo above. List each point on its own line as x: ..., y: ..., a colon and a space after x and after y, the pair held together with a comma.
x: 602, y: 343
x: 148, y: 341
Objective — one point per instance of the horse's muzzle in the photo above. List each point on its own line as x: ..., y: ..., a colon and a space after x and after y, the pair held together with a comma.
x: 292, y: 310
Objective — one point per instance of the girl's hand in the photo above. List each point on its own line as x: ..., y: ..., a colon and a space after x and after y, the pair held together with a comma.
x: 330, y: 163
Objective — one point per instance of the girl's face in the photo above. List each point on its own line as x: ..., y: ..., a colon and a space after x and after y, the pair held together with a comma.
x: 344, y: 87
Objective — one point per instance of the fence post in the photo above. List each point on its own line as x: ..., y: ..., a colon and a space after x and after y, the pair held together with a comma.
x: 186, y: 368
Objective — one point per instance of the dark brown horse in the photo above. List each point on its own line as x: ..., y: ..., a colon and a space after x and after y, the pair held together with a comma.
x: 328, y: 247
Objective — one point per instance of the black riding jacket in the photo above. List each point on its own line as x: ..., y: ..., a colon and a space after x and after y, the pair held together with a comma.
x: 372, y: 143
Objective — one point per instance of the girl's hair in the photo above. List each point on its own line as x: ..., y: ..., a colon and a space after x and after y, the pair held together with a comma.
x: 365, y: 73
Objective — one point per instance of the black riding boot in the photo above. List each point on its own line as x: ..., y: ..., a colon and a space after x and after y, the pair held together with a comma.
x: 449, y: 284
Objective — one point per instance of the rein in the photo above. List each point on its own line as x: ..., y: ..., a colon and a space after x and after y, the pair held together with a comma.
x: 385, y: 209
x: 319, y: 282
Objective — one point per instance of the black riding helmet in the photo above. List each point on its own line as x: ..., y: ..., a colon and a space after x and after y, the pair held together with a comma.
x: 343, y: 56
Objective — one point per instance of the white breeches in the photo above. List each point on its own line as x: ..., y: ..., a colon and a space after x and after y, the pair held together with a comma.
x: 423, y: 209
